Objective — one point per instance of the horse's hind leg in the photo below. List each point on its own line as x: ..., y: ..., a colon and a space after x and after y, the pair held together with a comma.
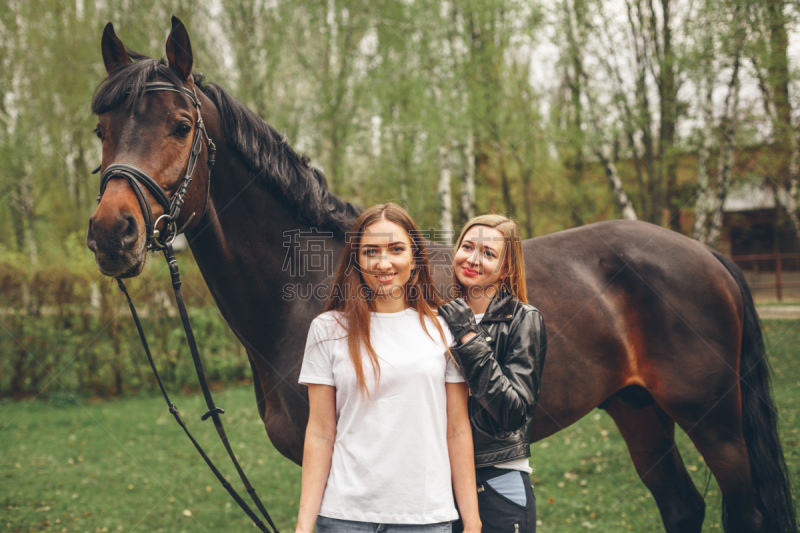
x: 650, y: 435
x: 718, y: 437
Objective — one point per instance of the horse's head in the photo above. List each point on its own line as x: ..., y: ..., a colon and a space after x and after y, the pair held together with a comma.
x: 149, y: 122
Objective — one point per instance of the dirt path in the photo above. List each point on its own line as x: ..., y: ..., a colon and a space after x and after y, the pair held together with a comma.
x: 788, y: 312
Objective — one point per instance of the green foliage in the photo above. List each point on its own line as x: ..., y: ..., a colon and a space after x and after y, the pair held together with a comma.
x: 368, y: 90
x: 80, y: 352
x: 76, y: 333
x: 372, y: 91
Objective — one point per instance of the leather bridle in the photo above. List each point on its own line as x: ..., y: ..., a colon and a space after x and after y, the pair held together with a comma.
x: 139, y: 179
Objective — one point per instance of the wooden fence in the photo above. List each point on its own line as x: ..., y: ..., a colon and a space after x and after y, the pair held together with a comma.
x: 772, y: 272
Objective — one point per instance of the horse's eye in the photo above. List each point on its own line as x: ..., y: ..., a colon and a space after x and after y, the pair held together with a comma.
x: 98, y: 133
x: 183, y: 129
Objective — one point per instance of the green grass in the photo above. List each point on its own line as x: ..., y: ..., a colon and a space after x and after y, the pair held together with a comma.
x: 69, y: 464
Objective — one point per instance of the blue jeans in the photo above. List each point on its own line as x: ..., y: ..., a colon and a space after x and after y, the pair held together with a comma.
x: 334, y: 525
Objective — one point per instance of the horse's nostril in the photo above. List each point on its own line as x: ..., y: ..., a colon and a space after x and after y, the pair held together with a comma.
x: 90, y: 239
x: 130, y: 230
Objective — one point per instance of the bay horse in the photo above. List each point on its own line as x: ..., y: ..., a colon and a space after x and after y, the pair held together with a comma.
x: 652, y: 326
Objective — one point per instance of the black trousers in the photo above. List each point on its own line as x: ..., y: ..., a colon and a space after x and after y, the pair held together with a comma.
x: 498, y: 513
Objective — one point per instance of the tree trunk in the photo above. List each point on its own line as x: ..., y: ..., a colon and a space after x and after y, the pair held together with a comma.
x: 704, y: 200
x: 668, y: 166
x: 603, y: 151
x: 653, y: 207
x: 511, y: 209
x: 576, y: 139
x: 17, y: 220
x: 483, y: 171
x: 778, y: 71
x: 726, y: 155
x: 786, y: 146
x: 445, y: 193
x: 26, y: 209
x: 526, y: 175
x: 405, y: 155
x: 526, y: 188
x: 623, y: 202
x: 774, y: 89
x: 468, y: 185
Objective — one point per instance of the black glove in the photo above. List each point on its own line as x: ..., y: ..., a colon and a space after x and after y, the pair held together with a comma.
x: 459, y: 317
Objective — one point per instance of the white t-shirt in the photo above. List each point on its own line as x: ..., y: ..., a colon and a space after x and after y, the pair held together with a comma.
x: 390, y: 462
x: 522, y: 463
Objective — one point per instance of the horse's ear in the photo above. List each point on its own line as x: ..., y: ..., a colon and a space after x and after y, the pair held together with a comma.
x: 114, y: 53
x: 179, y: 49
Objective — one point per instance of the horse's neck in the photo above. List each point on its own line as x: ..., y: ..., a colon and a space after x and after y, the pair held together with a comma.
x: 243, y: 249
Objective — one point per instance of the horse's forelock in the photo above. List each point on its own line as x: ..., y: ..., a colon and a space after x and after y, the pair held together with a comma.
x: 125, y: 86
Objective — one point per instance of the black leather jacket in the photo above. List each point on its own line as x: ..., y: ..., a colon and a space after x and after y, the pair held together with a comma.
x: 503, y: 368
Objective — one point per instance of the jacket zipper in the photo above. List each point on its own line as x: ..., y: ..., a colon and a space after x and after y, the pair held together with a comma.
x: 488, y: 330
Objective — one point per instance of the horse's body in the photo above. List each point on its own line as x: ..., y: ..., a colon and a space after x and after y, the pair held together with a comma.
x: 642, y: 321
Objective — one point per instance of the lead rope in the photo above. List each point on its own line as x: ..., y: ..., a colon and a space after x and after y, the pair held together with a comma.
x: 213, y: 411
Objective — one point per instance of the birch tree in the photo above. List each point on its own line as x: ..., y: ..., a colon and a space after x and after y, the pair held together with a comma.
x: 729, y: 122
x: 599, y: 144
x: 729, y: 46
x: 704, y: 202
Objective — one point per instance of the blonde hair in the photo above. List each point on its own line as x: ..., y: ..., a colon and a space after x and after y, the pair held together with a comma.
x: 513, y: 278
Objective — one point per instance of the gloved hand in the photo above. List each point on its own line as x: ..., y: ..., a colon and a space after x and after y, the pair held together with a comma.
x: 459, y: 317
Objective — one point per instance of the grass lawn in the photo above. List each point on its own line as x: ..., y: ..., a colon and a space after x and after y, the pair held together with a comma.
x: 74, y: 465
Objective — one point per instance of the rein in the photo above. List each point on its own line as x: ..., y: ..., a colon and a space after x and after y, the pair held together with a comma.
x: 138, y: 180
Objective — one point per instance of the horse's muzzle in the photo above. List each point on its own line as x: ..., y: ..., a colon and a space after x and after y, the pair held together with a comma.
x: 118, y: 244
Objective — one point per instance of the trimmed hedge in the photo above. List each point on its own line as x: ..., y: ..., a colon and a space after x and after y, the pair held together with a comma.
x: 69, y: 330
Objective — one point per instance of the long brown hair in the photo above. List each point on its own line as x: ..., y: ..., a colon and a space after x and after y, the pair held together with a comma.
x: 513, y: 278
x: 353, y: 298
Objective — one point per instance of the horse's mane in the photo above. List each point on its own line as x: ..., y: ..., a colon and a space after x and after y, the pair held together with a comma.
x: 263, y: 150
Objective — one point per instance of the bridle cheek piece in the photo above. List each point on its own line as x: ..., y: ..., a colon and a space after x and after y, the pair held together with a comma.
x: 139, y: 179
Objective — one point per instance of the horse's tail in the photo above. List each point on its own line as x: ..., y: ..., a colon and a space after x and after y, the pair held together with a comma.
x: 773, y: 490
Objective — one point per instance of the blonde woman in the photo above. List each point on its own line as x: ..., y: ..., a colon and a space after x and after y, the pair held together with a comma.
x: 388, y: 429
x: 500, y: 348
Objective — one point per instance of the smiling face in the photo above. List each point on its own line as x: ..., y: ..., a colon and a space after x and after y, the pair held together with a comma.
x: 386, y: 259
x: 478, y: 261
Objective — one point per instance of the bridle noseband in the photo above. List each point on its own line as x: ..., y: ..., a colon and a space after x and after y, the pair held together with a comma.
x: 139, y: 179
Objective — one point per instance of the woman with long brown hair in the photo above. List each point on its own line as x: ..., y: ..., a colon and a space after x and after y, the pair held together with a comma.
x: 388, y: 429
x: 501, y: 345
